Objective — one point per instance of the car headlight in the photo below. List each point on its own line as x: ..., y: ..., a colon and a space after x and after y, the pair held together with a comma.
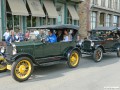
x: 14, y: 51
x: 2, y: 49
x: 92, y: 44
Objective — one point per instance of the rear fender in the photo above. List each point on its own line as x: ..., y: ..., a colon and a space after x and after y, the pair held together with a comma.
x: 68, y: 52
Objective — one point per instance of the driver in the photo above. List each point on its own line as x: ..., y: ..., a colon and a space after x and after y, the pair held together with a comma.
x: 51, y: 37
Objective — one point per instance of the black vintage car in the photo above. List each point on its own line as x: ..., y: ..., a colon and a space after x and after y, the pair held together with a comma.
x: 101, y: 40
x: 21, y: 56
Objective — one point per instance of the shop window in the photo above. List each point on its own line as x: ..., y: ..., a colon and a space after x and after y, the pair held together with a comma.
x: 60, y: 10
x: 69, y: 18
x: 46, y: 20
x: 13, y: 21
x: 31, y: 21
x: 9, y: 21
x: 76, y: 22
x: 16, y: 24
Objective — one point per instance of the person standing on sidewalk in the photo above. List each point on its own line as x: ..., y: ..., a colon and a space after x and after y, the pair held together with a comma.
x: 11, y: 38
x: 6, y: 34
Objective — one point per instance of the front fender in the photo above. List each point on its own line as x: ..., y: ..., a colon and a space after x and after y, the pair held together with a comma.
x: 100, y: 46
x: 19, y: 55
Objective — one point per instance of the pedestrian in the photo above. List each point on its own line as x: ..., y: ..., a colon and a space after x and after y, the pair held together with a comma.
x: 20, y: 36
x: 27, y: 35
x: 36, y: 32
x: 6, y: 34
x: 11, y: 38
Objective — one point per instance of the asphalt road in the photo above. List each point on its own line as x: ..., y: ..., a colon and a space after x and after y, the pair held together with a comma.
x: 89, y: 75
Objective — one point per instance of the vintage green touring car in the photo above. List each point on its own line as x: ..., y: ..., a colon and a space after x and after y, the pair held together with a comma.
x: 22, y: 56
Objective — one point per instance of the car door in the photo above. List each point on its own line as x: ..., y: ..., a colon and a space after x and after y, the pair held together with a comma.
x: 51, y: 49
x: 66, y: 45
x: 109, y: 43
x: 38, y: 48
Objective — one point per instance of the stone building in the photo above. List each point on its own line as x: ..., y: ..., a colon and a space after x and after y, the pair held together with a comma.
x: 30, y: 13
x: 99, y: 13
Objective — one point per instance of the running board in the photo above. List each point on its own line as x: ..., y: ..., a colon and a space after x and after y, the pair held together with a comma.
x: 53, y: 63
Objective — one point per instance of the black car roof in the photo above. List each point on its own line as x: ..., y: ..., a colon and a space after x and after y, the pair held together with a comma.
x: 106, y: 28
x: 64, y: 26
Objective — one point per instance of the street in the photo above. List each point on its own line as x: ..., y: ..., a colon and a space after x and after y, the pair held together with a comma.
x: 89, y: 75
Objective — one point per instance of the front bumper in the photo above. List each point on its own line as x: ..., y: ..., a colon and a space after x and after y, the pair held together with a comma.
x: 9, y: 67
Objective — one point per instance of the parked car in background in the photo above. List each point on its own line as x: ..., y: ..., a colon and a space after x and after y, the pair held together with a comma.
x: 21, y: 56
x: 102, y: 40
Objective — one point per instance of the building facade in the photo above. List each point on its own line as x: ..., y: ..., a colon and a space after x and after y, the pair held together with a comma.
x: 104, y: 13
x: 98, y: 13
x: 30, y: 13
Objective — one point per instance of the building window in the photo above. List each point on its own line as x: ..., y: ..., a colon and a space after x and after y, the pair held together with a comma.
x: 109, y: 3
x: 115, y: 4
x: 103, y: 3
x: 94, y: 2
x: 115, y: 21
x: 108, y: 20
x: 93, y: 20
x: 102, y: 19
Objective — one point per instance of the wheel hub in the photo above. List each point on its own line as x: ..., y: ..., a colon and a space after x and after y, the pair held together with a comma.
x: 74, y: 59
x: 22, y: 69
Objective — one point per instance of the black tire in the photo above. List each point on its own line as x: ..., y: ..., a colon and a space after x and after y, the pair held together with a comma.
x: 98, y: 54
x: 3, y: 65
x: 1, y: 71
x: 76, y: 57
x: 16, y: 64
x: 118, y: 52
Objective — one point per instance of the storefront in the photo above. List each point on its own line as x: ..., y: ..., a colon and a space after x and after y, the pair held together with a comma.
x: 20, y: 14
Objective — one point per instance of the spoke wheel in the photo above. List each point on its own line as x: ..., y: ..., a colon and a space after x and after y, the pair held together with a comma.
x: 98, y: 54
x: 22, y: 69
x: 3, y: 65
x: 74, y: 59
